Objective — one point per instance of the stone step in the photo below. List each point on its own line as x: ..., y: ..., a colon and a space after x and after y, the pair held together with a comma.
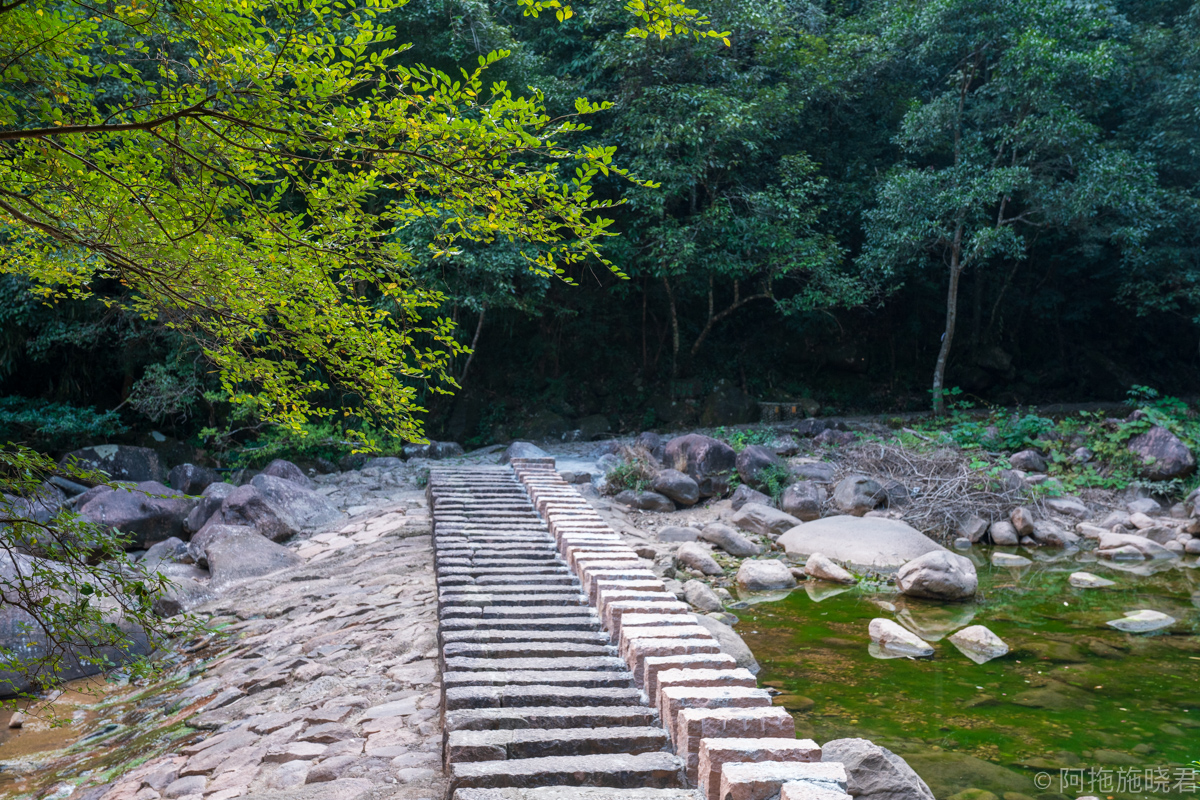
x: 452, y: 600
x: 553, y: 568
x: 613, y: 770
x: 507, y: 612
x: 604, y: 663
x: 555, y: 717
x: 541, y: 743
x: 517, y: 588
x: 566, y: 677
x: 526, y: 650
x: 538, y: 695
x: 576, y: 793
x: 577, y: 622
x: 500, y: 636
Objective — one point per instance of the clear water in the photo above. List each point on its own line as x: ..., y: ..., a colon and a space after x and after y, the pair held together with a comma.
x: 1075, y: 708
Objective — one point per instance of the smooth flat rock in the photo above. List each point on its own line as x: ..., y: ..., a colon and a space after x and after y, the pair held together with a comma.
x: 1086, y: 580
x: 868, y: 542
x: 979, y: 644
x: 896, y: 640
x: 1010, y: 560
x: 1142, y: 621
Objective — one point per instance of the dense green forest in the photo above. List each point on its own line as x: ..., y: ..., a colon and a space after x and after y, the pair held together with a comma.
x: 842, y: 204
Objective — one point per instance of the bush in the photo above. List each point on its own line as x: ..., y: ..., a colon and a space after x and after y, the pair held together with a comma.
x: 55, y: 425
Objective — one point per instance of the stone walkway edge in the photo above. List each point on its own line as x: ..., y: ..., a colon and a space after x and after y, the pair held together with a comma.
x: 571, y: 673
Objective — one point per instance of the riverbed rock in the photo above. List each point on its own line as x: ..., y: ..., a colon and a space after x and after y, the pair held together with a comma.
x: 866, y: 542
x: 764, y: 520
x: 730, y: 643
x: 121, y: 462
x: 897, y: 640
x: 804, y: 500
x: 979, y: 644
x: 974, y: 529
x: 282, y: 468
x: 857, y: 494
x: 1068, y: 506
x: 309, y: 509
x: 939, y: 575
x: 1162, y: 454
x: 816, y: 471
x: 1142, y: 621
x: 765, y: 575
x: 1028, y: 461
x: 1086, y: 580
x: 695, y: 556
x: 701, y: 595
x: 729, y: 540
x: 172, y: 550
x: 240, y: 556
x: 874, y: 772
x: 180, y: 596
x: 1110, y: 542
x: 1143, y: 505
x: 823, y: 568
x: 677, y: 486
x: 1003, y: 533
x: 191, y: 479
x: 198, y: 546
x: 744, y: 494
x: 148, y: 512
x: 1050, y: 534
x: 708, y: 461
x: 1022, y: 521
x: 522, y: 450
x: 644, y: 501
x: 755, y: 462
x: 246, y: 506
x: 1010, y: 560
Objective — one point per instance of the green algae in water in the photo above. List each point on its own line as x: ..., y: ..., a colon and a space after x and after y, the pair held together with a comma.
x: 1072, y: 694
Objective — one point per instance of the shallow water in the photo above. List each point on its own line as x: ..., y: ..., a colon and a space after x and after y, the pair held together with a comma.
x: 1072, y: 694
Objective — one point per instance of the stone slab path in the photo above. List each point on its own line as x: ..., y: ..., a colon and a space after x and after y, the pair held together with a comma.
x: 570, y: 673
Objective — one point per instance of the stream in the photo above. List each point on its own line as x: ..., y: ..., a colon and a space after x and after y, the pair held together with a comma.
x: 1075, y: 708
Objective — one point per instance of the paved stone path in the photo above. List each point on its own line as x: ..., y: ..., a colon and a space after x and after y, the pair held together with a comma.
x: 570, y: 673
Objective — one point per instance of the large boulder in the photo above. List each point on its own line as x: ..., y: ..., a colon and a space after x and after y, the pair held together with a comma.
x: 874, y: 772
x: 816, y: 471
x: 940, y: 575
x: 764, y: 520
x: 181, y: 595
x: 857, y: 494
x: 121, y: 462
x: 280, y: 468
x: 744, y: 494
x: 867, y: 542
x: 764, y: 576
x: 238, y: 557
x: 1162, y: 454
x: 191, y: 479
x: 730, y: 643
x: 41, y: 506
x: 309, y: 509
x: 804, y: 500
x: 677, y: 486
x: 895, y: 640
x: 1028, y: 461
x: 210, y: 503
x: 823, y: 568
x: 1110, y: 543
x: 756, y: 462
x: 246, y: 506
x: 644, y: 501
x: 522, y: 450
x: 729, y: 540
x: 695, y: 556
x: 708, y: 461
x: 701, y: 596
x: 198, y: 546
x: 148, y: 513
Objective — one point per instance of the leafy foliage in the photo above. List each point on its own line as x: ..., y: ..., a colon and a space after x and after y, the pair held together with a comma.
x: 56, y: 424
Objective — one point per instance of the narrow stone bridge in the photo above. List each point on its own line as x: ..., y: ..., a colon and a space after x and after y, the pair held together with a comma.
x: 570, y: 673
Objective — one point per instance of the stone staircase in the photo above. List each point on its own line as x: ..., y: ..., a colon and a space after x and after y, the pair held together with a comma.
x: 570, y: 673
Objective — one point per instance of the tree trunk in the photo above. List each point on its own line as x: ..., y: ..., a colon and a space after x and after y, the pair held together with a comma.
x: 674, y: 330
x: 939, y: 371
x: 462, y: 379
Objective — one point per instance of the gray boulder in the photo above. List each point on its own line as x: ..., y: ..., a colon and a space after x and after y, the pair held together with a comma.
x: 280, y: 468
x: 210, y: 503
x: 730, y: 643
x: 41, y: 506
x: 645, y: 501
x: 439, y: 450
x: 804, y: 500
x: 765, y: 576
x: 709, y: 462
x: 1147, y: 548
x: 1022, y: 521
x: 522, y: 450
x: 974, y: 529
x: 180, y: 596
x: 121, y: 462
x: 171, y: 550
x: 384, y: 463
x: 191, y: 479
x: 1003, y: 533
x: 1028, y: 461
x: 729, y: 540
x: 198, y: 546
x: 755, y: 462
x: 238, y: 557
x: 1049, y: 534
x: 677, y: 486
x: 820, y: 471
x: 764, y: 520
x: 939, y: 575
x: 744, y: 494
x: 823, y: 568
x: 246, y: 506
x: 148, y: 513
x: 867, y: 542
x: 701, y: 595
x: 1162, y: 454
x: 874, y: 772
x: 309, y: 509
x: 857, y: 494
x: 677, y: 533
x: 1068, y: 506
x: 593, y: 427
x: 694, y: 556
